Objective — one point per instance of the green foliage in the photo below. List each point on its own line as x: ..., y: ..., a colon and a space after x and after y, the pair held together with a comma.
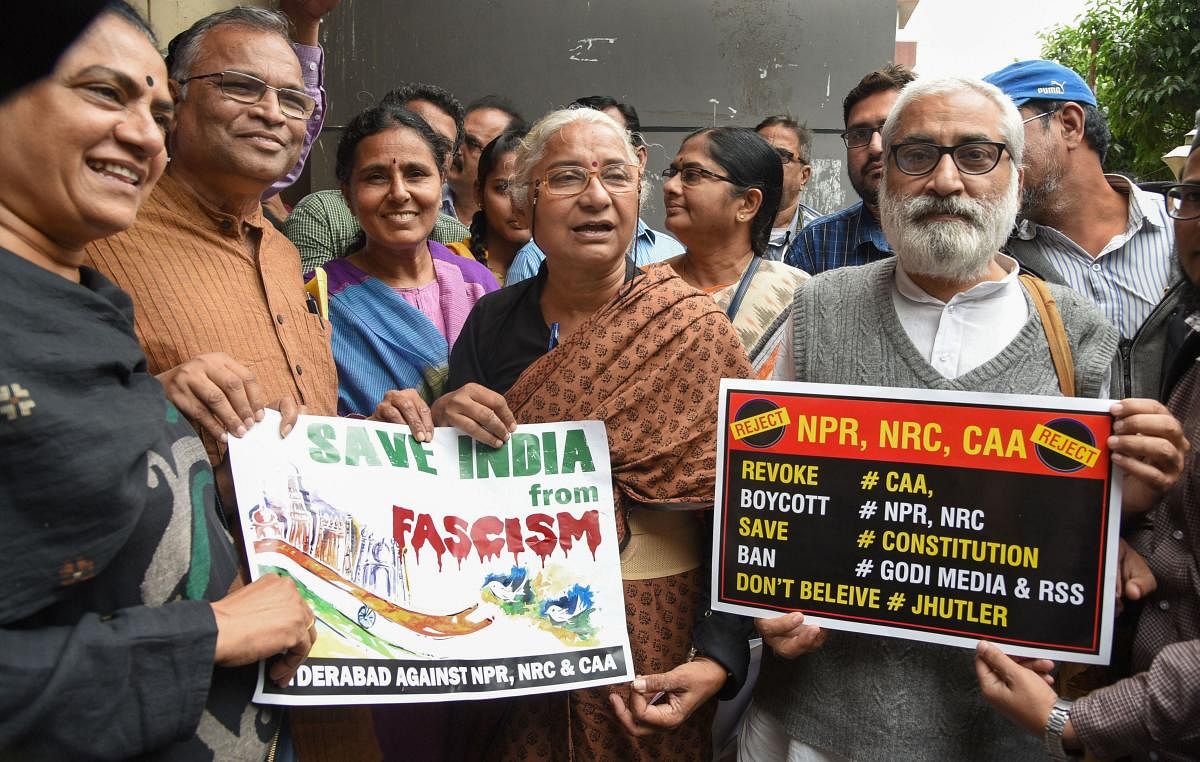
x: 1146, y: 55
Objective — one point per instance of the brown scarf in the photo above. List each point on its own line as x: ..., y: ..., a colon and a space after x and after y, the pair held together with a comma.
x: 648, y: 364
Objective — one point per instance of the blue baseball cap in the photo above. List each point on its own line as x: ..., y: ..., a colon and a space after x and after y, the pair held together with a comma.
x: 1041, y: 80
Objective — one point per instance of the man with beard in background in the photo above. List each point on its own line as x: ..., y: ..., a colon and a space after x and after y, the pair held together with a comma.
x: 948, y: 313
x: 1097, y: 233
x: 1157, y: 710
x: 852, y: 236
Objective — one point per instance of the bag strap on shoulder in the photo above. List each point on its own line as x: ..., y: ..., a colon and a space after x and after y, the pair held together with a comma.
x: 1056, y: 333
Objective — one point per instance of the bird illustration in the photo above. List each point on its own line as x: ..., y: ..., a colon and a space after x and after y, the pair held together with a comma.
x: 576, y: 601
x: 508, y: 587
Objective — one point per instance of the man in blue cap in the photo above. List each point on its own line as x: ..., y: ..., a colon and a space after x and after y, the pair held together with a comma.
x: 1155, y: 713
x: 1097, y: 233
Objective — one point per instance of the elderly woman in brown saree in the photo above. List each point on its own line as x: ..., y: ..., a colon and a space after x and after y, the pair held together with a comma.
x: 593, y: 337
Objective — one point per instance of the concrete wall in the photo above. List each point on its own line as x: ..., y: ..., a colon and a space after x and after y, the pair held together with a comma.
x: 170, y: 17
x: 682, y: 63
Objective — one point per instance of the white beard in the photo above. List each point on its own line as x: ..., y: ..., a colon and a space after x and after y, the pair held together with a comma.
x: 955, y: 251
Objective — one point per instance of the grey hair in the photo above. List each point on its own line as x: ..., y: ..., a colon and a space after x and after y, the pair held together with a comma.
x: 534, y: 145
x: 184, y: 48
x: 1011, y: 129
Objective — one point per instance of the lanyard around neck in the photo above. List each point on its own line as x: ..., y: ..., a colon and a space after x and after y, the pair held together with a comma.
x: 742, y: 287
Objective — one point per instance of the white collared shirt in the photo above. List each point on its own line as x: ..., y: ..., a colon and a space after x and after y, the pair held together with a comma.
x: 957, y: 336
x: 781, y: 238
x: 954, y: 337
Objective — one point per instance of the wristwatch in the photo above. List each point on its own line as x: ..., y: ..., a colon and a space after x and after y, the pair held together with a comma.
x: 1059, y: 714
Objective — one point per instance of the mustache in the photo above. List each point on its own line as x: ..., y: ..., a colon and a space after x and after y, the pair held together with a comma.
x: 918, y: 208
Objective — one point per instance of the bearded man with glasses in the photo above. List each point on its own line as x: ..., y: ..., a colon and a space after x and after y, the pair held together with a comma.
x: 1100, y: 234
x: 948, y: 313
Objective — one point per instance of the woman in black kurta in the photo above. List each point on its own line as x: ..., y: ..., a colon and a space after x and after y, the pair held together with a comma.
x: 119, y: 637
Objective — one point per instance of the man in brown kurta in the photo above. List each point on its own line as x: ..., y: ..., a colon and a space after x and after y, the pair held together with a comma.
x: 220, y: 307
x: 205, y: 281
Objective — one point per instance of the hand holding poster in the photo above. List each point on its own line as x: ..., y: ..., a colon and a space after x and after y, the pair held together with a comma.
x: 946, y: 517
x: 438, y: 571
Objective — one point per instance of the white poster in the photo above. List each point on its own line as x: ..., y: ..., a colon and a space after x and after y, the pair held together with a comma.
x: 440, y: 571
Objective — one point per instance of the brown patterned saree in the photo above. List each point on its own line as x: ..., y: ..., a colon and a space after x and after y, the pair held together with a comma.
x: 648, y: 364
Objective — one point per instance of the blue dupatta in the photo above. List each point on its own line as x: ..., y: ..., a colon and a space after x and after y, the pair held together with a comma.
x: 380, y: 342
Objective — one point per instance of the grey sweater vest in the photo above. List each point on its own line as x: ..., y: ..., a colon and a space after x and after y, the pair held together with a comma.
x: 871, y: 698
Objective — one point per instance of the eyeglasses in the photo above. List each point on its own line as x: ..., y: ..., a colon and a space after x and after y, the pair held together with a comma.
x: 1039, y: 115
x: 693, y: 176
x: 857, y: 137
x: 976, y: 157
x: 1183, y: 201
x: 246, y: 89
x: 571, y: 181
x: 787, y: 157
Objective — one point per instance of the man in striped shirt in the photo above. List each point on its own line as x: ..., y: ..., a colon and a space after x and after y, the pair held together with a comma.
x: 1156, y: 712
x: 852, y: 236
x: 1097, y: 233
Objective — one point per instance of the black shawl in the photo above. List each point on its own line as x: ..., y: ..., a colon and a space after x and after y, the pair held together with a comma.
x: 78, y: 412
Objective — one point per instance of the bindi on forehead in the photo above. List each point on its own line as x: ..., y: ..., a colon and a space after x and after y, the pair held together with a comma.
x: 149, y: 81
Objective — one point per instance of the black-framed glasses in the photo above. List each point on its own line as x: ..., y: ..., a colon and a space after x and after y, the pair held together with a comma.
x: 857, y: 137
x: 571, y: 181
x: 975, y: 157
x: 244, y: 88
x: 1183, y: 201
x: 693, y: 176
x: 787, y: 157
